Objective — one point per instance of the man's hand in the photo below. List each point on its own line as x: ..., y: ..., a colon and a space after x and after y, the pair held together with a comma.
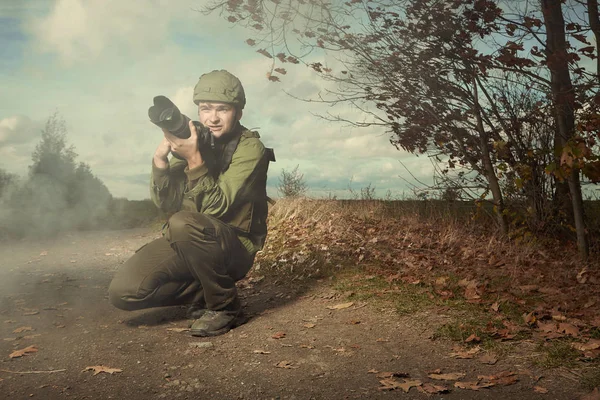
x: 184, y: 148
x: 160, y: 155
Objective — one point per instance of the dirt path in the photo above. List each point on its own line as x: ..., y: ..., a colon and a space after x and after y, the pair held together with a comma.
x: 302, y: 341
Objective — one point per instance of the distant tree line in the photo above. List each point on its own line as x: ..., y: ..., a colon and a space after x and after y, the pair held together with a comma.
x: 504, y: 94
x: 60, y: 194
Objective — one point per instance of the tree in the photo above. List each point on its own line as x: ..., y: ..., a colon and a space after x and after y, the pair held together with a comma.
x: 438, y: 76
x: 7, y: 181
x: 291, y: 183
x: 59, y: 194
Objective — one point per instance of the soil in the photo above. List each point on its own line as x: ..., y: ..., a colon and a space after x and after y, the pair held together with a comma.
x: 303, y: 340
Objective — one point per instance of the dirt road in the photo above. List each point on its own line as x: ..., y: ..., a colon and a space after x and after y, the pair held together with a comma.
x: 303, y: 341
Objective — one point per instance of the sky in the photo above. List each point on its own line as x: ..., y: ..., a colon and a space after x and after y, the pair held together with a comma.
x: 99, y: 63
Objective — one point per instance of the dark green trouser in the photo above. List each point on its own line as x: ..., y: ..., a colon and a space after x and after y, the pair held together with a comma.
x: 200, y: 258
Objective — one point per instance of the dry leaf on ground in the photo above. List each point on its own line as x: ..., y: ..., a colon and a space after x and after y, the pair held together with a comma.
x: 488, y: 359
x: 261, y: 352
x: 473, y: 385
x: 23, y: 329
x: 309, y: 325
x: 451, y: 376
x: 341, y: 306
x: 460, y: 352
x: 539, y: 389
x: 101, y: 368
x: 591, y: 344
x: 285, y: 364
x: 430, y: 388
x: 473, y: 338
x: 178, y: 330
x: 504, y: 378
x: 392, y: 384
x: 23, y: 352
x: 278, y: 335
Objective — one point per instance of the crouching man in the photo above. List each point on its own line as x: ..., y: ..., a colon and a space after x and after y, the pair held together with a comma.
x: 220, y: 216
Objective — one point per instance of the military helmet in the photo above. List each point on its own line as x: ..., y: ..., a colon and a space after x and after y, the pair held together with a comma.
x: 220, y: 86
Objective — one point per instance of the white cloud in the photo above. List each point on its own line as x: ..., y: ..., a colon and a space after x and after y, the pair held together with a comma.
x: 18, y: 129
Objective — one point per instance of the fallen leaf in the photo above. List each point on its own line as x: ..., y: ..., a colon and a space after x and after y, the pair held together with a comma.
x: 31, y: 336
x: 23, y: 329
x: 382, y: 340
x: 539, y: 389
x: 372, y: 371
x: 285, y: 364
x: 451, y: 376
x: 591, y: 344
x: 465, y: 353
x: 530, y: 318
x: 495, y: 307
x: 33, y: 312
x: 472, y: 385
x: 278, y: 335
x: 430, y: 388
x: 488, y: 359
x: 178, y: 330
x: 354, y: 322
x: 568, y: 329
x: 101, y: 368
x: 473, y: 338
x: 44, y: 253
x: 309, y: 325
x: 23, y: 352
x: 504, y: 378
x: 341, y: 306
x: 582, y: 275
x: 261, y: 352
x: 547, y: 326
x: 9, y: 321
x: 392, y: 384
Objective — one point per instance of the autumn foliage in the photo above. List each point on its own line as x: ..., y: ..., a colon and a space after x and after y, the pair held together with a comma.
x: 504, y: 93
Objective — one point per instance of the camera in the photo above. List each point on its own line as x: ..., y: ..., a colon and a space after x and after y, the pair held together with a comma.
x: 166, y: 115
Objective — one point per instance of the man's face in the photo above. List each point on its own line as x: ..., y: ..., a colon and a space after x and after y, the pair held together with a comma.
x: 220, y: 118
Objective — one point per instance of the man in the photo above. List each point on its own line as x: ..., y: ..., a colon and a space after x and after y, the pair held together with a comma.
x: 220, y: 216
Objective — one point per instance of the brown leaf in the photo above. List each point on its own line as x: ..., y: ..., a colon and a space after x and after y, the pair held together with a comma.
x: 309, y: 325
x: 473, y: 338
x: 341, y: 306
x: 261, y: 352
x: 285, y: 364
x: 372, y: 371
x: 178, y: 330
x: 539, y: 389
x: 430, y: 388
x: 495, y: 307
x: 282, y: 71
x: 391, y: 384
x: 568, y: 329
x: 23, y: 329
x: 264, y: 53
x: 101, y: 368
x: 460, y: 352
x: 23, y: 352
x: 547, y: 326
x: 278, y: 335
x: 451, y: 376
x: 472, y: 385
x: 530, y: 318
x: 32, y: 312
x: 591, y: 344
x: 504, y: 378
x: 488, y: 359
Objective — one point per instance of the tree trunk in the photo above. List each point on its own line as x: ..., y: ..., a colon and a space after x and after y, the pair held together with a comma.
x: 488, y: 167
x: 564, y: 99
x: 595, y: 27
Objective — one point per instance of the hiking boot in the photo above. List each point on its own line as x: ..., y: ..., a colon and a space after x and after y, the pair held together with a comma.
x: 196, y: 310
x: 213, y: 323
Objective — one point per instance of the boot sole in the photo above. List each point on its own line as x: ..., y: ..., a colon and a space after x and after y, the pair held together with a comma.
x: 239, y: 320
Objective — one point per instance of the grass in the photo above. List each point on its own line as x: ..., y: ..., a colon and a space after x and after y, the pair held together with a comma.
x: 557, y: 353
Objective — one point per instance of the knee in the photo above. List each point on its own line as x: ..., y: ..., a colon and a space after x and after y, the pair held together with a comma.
x: 117, y: 293
x: 187, y: 226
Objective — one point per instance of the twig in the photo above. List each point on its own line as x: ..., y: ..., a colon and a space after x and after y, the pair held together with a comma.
x: 33, y: 372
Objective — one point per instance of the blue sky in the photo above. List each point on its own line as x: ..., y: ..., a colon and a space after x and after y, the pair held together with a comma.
x: 99, y: 63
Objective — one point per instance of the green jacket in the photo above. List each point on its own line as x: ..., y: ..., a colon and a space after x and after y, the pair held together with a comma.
x: 237, y: 196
